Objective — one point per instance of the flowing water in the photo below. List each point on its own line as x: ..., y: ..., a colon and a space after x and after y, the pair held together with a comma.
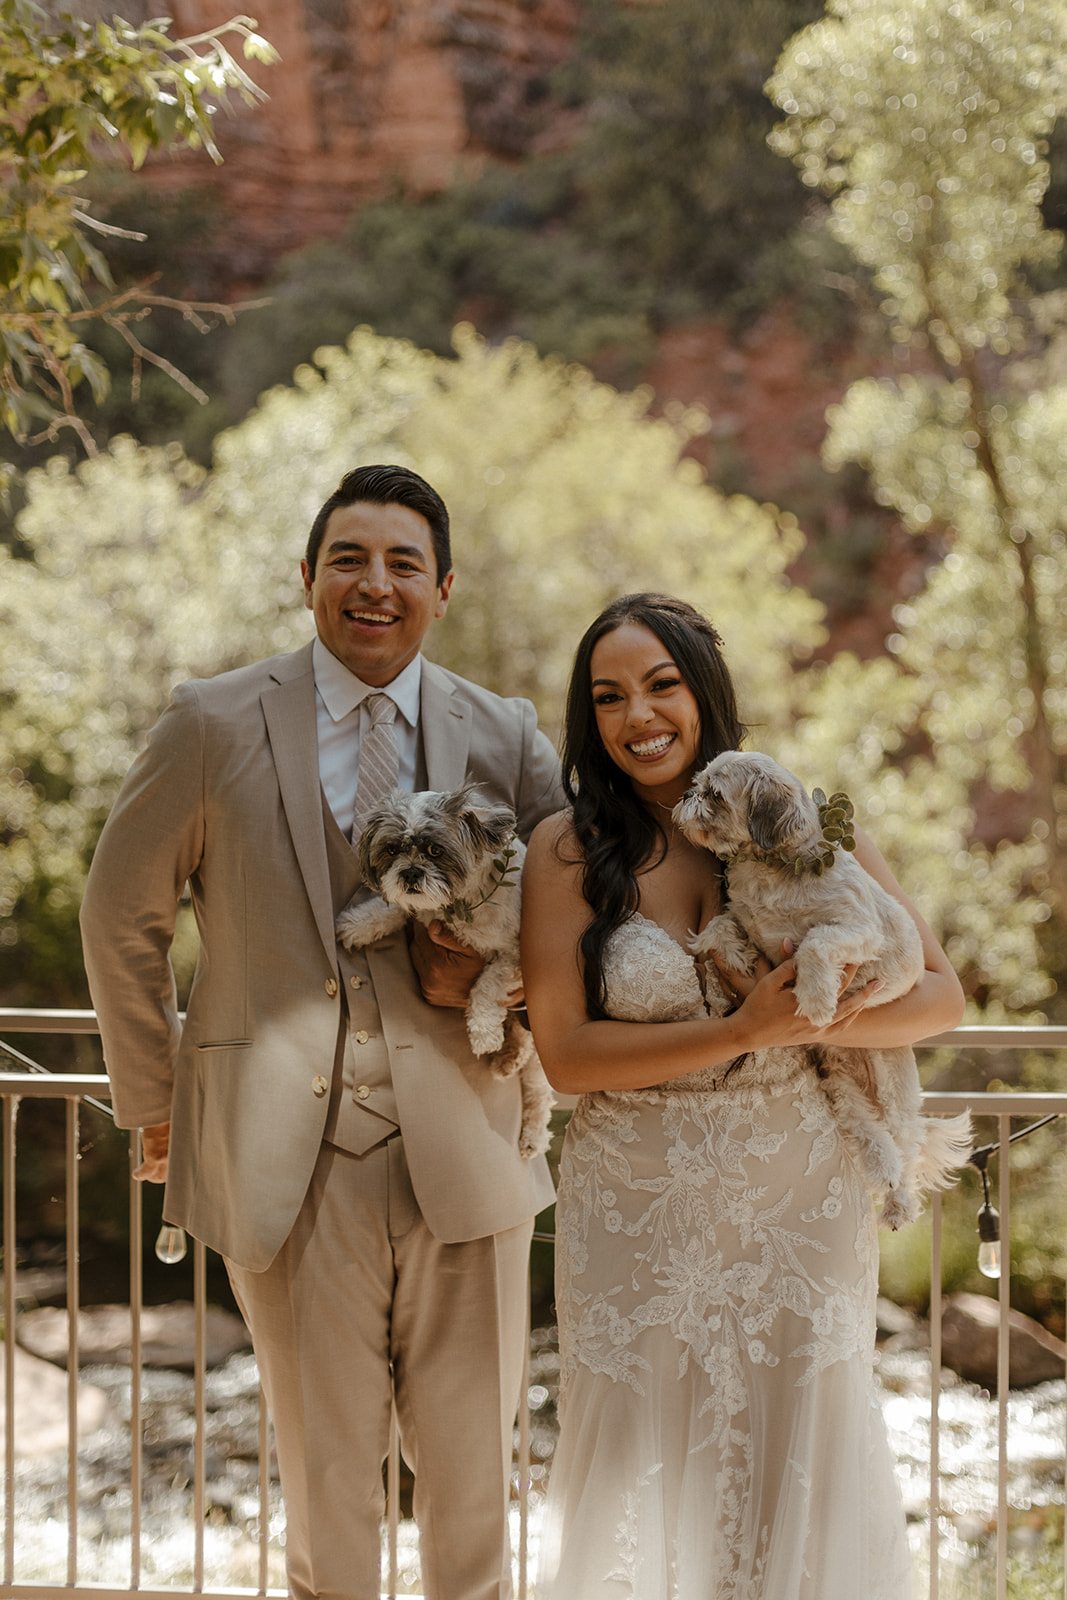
x: 968, y: 1450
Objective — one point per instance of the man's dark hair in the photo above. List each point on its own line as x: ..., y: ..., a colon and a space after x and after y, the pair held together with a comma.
x: 387, y: 486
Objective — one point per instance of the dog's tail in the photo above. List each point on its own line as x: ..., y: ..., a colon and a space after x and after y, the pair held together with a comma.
x: 946, y: 1146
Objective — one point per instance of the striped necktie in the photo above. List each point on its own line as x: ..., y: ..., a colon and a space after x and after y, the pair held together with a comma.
x: 379, y: 761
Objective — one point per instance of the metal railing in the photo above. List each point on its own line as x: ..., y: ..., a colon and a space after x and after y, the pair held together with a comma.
x: 75, y: 1089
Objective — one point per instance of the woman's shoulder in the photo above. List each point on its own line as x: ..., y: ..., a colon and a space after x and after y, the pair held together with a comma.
x: 555, y: 833
x: 554, y: 849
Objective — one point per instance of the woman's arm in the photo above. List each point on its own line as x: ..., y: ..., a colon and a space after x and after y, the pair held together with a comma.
x: 579, y: 1055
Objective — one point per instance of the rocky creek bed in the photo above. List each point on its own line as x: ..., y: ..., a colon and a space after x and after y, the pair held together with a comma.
x: 968, y: 1451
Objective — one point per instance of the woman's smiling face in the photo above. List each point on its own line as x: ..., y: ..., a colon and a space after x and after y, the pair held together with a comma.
x: 646, y: 713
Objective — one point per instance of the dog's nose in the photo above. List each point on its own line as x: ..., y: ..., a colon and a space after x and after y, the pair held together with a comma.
x: 412, y: 877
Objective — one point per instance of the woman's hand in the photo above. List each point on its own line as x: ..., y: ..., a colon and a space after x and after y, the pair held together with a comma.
x: 737, y: 985
x: 769, y: 1010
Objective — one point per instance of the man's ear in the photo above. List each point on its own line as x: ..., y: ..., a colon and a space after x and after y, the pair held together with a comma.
x: 444, y: 589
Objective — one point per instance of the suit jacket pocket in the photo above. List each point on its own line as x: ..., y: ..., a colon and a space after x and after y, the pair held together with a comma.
x: 225, y: 1044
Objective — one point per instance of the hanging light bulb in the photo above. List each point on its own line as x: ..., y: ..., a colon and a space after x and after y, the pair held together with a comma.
x: 989, y: 1241
x: 170, y: 1244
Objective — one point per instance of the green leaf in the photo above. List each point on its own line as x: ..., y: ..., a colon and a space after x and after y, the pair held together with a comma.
x: 256, y: 48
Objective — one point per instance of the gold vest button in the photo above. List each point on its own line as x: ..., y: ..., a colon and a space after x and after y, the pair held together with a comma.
x: 331, y: 986
x: 356, y: 981
x: 362, y: 1036
x: 319, y: 1087
x: 363, y: 1093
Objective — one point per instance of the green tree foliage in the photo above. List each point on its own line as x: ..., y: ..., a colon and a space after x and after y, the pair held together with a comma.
x: 146, y: 569
x: 671, y: 173
x: 666, y: 205
x: 72, y: 94
x: 927, y: 121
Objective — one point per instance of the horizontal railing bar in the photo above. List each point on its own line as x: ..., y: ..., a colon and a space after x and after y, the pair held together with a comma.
x: 1000, y: 1102
x: 53, y: 1085
x: 15, y: 1021
x: 978, y: 1036
x: 1012, y: 1102
x: 973, y: 1036
x: 90, y: 1591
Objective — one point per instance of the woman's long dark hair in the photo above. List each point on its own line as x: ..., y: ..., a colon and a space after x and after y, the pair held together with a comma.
x: 615, y: 833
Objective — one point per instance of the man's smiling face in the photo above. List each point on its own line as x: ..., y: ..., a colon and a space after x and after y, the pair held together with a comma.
x: 375, y: 592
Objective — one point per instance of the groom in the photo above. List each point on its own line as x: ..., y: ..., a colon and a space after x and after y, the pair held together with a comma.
x: 329, y: 1131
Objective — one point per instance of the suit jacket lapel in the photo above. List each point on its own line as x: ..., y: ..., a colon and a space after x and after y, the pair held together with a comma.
x: 445, y: 718
x: 289, y: 711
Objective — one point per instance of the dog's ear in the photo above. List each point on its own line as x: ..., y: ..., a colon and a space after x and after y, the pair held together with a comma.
x: 365, y: 853
x: 775, y: 814
x: 489, y: 826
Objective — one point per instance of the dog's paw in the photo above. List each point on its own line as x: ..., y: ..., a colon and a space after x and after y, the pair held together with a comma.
x: 486, y: 1033
x: 899, y: 1208
x: 534, y: 1140
x: 723, y: 940
x: 815, y: 993
x: 351, y: 931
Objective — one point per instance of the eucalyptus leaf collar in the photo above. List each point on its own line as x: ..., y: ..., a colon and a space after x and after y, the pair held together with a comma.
x: 463, y: 910
x: 835, y: 819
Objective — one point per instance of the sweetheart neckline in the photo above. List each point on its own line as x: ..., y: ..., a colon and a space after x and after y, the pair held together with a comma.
x: 650, y: 922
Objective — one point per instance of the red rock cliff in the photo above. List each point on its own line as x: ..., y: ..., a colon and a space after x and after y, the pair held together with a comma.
x: 369, y: 94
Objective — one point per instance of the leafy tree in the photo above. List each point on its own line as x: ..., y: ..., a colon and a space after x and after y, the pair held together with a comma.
x: 671, y: 172
x: 666, y: 205
x: 69, y: 89
x: 928, y: 122
x: 146, y: 569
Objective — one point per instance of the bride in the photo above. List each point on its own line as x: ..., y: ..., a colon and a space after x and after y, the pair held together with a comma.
x: 716, y: 1248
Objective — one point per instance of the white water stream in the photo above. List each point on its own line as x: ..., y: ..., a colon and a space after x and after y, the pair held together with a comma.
x: 968, y: 1451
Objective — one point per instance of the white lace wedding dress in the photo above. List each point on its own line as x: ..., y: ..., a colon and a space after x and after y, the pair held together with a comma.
x: 716, y: 1277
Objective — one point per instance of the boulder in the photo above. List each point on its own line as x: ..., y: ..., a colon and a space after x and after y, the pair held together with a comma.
x: 895, y: 1322
x: 41, y: 1407
x: 168, y: 1335
x: 969, y: 1344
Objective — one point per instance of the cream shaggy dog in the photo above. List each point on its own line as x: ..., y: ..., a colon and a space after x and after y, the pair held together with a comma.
x: 787, y: 879
x: 449, y: 857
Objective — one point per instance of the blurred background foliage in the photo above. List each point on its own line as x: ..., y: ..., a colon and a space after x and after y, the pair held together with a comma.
x: 906, y: 204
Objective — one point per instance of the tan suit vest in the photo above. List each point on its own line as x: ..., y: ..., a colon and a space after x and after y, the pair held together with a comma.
x: 362, y: 1102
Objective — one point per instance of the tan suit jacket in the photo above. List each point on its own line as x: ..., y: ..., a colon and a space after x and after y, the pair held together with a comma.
x: 226, y: 797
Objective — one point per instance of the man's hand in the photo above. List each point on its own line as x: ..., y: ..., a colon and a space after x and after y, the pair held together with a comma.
x: 446, y: 969
x: 155, y: 1147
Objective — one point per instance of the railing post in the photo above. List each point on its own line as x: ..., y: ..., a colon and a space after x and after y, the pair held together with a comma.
x: 136, y: 1357
x: 73, y: 1362
x: 935, y: 1395
x: 11, y: 1108
x: 524, y: 1460
x: 199, y: 1409
x: 392, y: 1507
x: 1003, y: 1355
x: 264, y: 1493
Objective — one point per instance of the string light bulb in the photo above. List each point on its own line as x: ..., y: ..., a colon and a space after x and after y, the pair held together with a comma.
x: 989, y: 1240
x: 171, y: 1244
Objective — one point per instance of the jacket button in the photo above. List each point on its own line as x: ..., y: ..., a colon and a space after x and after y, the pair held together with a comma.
x: 331, y: 986
x: 319, y: 1087
x: 362, y: 1036
x: 363, y: 1093
x: 356, y: 981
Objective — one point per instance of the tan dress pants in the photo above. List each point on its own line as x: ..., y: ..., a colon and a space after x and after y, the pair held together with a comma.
x: 362, y: 1299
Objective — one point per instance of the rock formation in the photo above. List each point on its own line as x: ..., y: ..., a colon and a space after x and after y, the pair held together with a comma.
x: 370, y: 95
